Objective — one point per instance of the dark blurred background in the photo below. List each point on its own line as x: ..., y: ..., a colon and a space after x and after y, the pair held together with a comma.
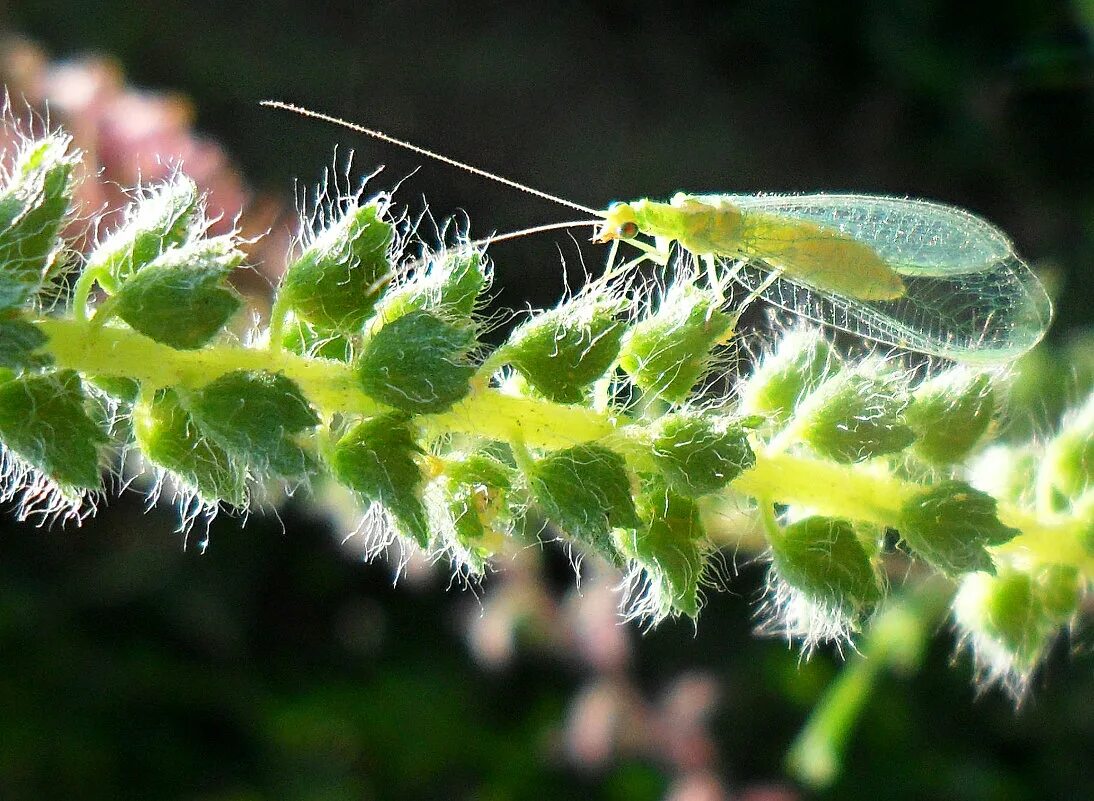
x: 277, y: 665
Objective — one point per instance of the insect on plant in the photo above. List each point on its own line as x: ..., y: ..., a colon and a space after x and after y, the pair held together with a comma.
x: 912, y: 274
x: 602, y: 422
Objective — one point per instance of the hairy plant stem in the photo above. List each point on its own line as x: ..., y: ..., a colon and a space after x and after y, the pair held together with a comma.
x: 864, y: 492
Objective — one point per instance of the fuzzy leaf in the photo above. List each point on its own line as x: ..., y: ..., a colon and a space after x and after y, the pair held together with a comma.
x: 561, y: 352
x: 180, y: 299
x: 254, y: 416
x: 33, y: 206
x: 306, y: 340
x: 454, y: 283
x: 950, y: 414
x: 476, y: 486
x: 117, y: 387
x: 1018, y: 616
x: 480, y: 468
x: 822, y: 558
x: 1007, y: 473
x: 18, y: 341
x: 668, y: 352
x: 468, y: 528
x: 1019, y: 610
x: 335, y: 283
x: 461, y: 279
x: 586, y: 492
x: 952, y: 525
x: 153, y: 224
x: 169, y: 436
x: 672, y: 549
x: 1069, y: 458
x: 698, y: 453
x: 417, y: 363
x: 784, y: 377
x: 44, y: 421
x: 376, y: 460
x: 855, y: 416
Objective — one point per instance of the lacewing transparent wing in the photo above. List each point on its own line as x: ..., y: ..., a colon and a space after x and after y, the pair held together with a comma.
x: 967, y: 295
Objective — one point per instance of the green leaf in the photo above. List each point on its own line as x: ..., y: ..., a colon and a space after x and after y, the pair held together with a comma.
x: 169, y: 436
x: 18, y: 341
x: 468, y: 528
x: 44, y: 421
x: 461, y: 278
x: 672, y: 548
x: 164, y: 219
x: 949, y: 415
x: 823, y: 559
x: 117, y: 387
x: 306, y: 340
x: 476, y: 488
x: 1019, y: 610
x: 586, y: 492
x: 417, y: 363
x: 1007, y: 473
x: 180, y: 299
x: 33, y: 206
x: 480, y: 468
x: 376, y: 460
x: 1069, y: 458
x: 784, y: 377
x: 699, y: 453
x: 856, y: 415
x: 952, y: 525
x: 335, y: 283
x: 255, y: 417
x: 1060, y: 591
x: 561, y: 352
x: 1016, y: 616
x: 668, y: 352
x: 454, y: 284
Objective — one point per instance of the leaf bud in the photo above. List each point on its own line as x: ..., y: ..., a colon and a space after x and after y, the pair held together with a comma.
x: 667, y: 353
x: 699, y: 453
x: 561, y: 352
x: 952, y: 525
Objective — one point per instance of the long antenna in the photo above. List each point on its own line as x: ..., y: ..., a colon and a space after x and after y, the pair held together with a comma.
x: 539, y: 229
x: 490, y: 240
x: 383, y: 137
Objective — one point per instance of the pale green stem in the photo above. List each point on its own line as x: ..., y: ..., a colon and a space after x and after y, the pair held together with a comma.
x: 868, y: 492
x: 494, y: 362
x: 816, y: 756
x: 768, y: 519
x: 120, y: 352
x: 896, y: 639
x: 81, y: 290
x: 278, y: 314
x: 522, y: 456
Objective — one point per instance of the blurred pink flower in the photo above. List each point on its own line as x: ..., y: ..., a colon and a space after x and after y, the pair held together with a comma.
x: 518, y: 611
x: 700, y: 786
x: 607, y: 719
x: 769, y: 792
x: 596, y: 630
x: 684, y: 712
x: 132, y: 137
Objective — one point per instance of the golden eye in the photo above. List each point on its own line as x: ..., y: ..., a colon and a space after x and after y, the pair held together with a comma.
x: 628, y: 230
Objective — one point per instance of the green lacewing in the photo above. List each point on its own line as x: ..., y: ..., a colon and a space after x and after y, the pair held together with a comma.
x: 912, y: 274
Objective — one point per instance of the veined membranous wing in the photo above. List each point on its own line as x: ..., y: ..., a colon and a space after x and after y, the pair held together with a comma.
x: 967, y: 295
